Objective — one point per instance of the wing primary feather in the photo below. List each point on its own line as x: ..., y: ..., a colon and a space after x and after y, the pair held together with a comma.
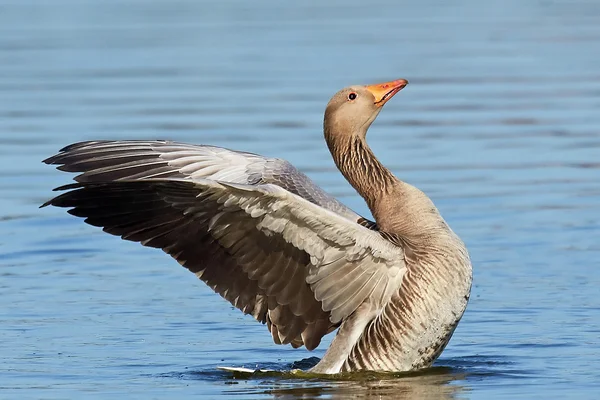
x: 251, y: 243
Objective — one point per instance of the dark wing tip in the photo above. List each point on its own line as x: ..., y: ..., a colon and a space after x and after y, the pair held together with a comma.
x: 93, y: 144
x: 87, y: 143
x: 51, y: 160
x: 68, y: 187
x: 78, y: 145
x: 52, y: 201
x: 55, y: 159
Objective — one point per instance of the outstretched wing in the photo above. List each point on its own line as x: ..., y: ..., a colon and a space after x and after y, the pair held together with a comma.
x: 299, y: 267
x: 107, y: 161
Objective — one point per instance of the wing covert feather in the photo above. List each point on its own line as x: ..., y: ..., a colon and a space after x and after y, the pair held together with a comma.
x: 292, y: 263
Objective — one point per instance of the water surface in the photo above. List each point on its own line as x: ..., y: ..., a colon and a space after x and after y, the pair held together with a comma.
x: 500, y: 126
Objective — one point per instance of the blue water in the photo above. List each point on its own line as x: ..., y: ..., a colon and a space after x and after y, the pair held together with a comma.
x: 500, y: 126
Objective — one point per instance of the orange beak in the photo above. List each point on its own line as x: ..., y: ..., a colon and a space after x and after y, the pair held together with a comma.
x: 385, y: 91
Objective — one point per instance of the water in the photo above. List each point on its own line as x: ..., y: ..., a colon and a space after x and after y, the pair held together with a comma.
x: 500, y: 126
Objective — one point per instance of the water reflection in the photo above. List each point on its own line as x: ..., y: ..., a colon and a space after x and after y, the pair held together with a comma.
x: 452, y: 379
x: 433, y: 385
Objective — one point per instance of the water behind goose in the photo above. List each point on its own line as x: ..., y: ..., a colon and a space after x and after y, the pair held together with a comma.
x: 500, y: 126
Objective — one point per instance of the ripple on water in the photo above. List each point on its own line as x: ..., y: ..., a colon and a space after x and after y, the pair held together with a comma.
x: 500, y: 131
x: 445, y: 381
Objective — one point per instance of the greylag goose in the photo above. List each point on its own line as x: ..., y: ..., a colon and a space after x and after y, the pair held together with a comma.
x: 262, y: 235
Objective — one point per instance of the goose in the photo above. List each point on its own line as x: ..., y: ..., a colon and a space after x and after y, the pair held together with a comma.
x: 267, y: 239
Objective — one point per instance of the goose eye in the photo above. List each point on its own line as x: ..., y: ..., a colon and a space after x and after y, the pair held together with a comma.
x: 352, y: 96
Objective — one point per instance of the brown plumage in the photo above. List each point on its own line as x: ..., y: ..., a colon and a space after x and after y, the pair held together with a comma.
x: 277, y: 247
